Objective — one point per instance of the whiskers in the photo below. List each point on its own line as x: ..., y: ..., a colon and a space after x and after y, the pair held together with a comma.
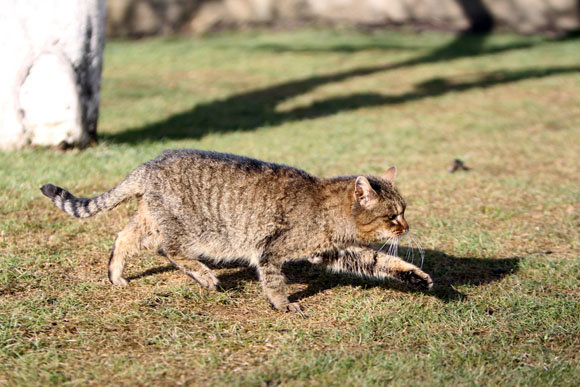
x: 384, y: 244
x: 393, y: 243
x: 410, y: 249
x: 394, y: 247
x: 414, y: 245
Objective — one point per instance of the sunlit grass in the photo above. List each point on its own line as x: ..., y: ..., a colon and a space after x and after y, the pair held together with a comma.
x: 501, y: 240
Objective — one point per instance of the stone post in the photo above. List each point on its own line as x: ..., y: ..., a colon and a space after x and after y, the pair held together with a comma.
x: 50, y: 72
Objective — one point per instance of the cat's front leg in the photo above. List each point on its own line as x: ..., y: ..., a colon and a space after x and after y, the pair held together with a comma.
x: 372, y: 263
x: 394, y: 267
x: 274, y: 286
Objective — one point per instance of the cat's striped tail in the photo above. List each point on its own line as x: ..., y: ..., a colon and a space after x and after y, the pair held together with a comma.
x: 85, y: 207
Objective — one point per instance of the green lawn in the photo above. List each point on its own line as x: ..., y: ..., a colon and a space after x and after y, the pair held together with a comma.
x: 501, y: 239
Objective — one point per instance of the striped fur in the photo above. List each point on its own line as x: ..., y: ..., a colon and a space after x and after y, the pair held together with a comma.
x: 84, y: 207
x: 224, y: 207
x: 370, y: 263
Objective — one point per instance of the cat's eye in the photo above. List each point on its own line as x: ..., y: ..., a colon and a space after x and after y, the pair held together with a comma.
x: 393, y: 218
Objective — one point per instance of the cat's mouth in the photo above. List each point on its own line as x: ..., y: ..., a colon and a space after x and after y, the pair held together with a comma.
x: 389, y: 235
x: 395, y: 234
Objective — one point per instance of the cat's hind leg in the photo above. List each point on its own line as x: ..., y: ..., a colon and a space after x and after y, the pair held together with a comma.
x: 141, y: 232
x: 126, y: 245
x: 163, y: 231
x: 196, y: 270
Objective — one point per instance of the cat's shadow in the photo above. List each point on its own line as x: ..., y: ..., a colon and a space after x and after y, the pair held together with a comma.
x: 447, y: 272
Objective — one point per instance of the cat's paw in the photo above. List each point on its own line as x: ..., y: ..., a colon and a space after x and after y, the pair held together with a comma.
x: 285, y: 307
x: 417, y: 278
x: 119, y: 281
x: 206, y: 279
x: 294, y: 307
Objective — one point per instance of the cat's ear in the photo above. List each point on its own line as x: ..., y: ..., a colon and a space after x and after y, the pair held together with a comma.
x: 390, y: 175
x: 364, y: 194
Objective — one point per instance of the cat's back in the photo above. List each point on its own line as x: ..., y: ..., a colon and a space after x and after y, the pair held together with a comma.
x: 219, y: 177
x: 218, y: 166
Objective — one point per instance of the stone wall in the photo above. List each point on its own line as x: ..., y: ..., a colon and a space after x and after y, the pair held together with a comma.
x: 135, y: 18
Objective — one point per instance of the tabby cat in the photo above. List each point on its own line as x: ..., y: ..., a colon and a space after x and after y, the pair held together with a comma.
x: 224, y: 207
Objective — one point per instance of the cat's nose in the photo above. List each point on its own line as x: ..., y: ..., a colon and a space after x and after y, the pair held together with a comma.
x: 404, y: 224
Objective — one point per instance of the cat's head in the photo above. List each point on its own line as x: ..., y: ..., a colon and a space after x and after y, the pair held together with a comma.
x: 378, y: 208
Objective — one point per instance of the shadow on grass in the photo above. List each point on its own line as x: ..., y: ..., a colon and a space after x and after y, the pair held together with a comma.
x: 447, y: 272
x: 153, y: 271
x: 323, y: 47
x: 258, y: 108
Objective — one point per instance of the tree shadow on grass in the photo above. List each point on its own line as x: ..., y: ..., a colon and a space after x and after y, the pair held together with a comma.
x: 258, y: 108
x: 326, y: 48
x: 447, y: 272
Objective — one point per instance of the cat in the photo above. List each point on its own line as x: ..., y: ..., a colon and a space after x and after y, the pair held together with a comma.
x: 200, y: 204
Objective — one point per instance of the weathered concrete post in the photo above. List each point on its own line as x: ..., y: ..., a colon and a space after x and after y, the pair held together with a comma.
x: 50, y: 72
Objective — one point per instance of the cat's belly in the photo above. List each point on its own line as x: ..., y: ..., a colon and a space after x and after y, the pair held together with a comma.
x: 221, y: 249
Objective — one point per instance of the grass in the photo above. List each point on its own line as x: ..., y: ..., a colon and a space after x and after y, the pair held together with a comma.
x: 502, y: 239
